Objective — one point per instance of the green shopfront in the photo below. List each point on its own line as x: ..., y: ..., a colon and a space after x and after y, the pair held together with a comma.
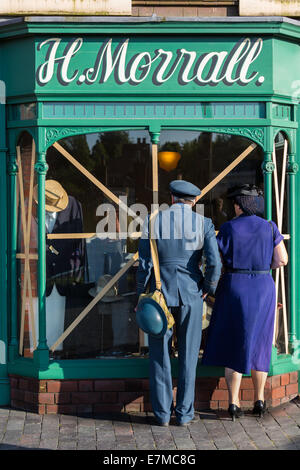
x: 113, y: 110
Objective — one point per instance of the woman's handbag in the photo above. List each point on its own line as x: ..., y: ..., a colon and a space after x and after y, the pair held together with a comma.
x: 153, y: 315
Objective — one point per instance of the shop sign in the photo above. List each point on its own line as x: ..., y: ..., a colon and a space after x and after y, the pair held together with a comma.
x: 115, y: 62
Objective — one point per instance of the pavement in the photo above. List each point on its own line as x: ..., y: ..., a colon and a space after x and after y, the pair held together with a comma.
x: 278, y: 430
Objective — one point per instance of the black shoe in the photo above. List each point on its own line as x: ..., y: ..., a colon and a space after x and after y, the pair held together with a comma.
x: 235, y: 411
x: 195, y: 419
x: 259, y: 408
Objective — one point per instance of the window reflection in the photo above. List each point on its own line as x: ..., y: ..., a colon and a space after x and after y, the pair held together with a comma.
x: 26, y: 246
x: 80, y: 263
x: 121, y: 161
x: 203, y: 156
x: 283, y: 299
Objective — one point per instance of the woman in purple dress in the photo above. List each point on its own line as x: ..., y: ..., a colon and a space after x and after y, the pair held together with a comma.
x: 241, y: 329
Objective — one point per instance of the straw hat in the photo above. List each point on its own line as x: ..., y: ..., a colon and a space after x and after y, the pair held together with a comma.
x: 56, y: 197
x: 111, y: 295
x: 207, y: 311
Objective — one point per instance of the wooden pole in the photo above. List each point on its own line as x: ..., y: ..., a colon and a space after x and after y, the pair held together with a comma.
x: 96, y: 299
x: 279, y: 275
x: 97, y: 183
x: 227, y: 170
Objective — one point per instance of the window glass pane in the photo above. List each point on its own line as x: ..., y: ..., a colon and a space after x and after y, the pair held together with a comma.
x: 80, y: 264
x: 203, y: 156
x: 282, y: 282
x: 26, y: 247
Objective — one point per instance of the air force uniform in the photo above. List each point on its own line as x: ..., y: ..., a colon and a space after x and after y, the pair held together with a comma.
x: 183, y: 236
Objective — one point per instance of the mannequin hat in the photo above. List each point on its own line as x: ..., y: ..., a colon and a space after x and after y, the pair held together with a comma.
x: 181, y: 188
x: 56, y: 197
x: 151, y: 318
x: 111, y: 295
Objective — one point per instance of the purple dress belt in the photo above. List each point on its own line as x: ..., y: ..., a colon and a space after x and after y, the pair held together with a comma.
x: 245, y: 271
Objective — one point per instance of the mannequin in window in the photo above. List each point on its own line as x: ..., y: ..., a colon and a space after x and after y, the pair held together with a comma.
x: 65, y: 258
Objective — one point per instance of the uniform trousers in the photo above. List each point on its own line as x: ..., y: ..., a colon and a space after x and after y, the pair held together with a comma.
x: 188, y: 321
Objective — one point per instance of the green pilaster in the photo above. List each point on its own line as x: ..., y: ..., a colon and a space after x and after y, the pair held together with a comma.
x: 4, y: 380
x: 292, y: 169
x: 268, y: 168
x: 12, y: 171
x: 41, y: 354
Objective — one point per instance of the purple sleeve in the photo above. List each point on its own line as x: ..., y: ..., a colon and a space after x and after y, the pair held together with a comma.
x: 277, y: 237
x: 222, y: 238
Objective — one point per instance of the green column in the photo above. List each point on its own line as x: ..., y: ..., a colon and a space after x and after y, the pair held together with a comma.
x: 268, y: 168
x: 12, y: 170
x: 292, y: 168
x: 41, y: 354
x: 4, y: 380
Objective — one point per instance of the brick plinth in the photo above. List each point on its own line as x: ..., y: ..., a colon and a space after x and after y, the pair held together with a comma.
x: 115, y: 395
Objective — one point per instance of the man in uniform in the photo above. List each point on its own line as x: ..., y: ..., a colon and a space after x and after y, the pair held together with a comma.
x: 182, y: 236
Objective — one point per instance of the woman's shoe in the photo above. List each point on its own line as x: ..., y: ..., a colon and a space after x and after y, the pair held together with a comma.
x: 259, y: 408
x: 235, y: 411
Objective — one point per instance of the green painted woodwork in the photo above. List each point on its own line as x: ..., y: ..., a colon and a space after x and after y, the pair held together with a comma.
x: 12, y: 261
x: 148, y: 38
x: 50, y: 112
x: 286, y: 54
x: 292, y: 169
x: 93, y: 369
x: 23, y: 60
x: 297, y: 237
x: 41, y: 354
x: 153, y: 110
x: 4, y: 382
x: 283, y: 363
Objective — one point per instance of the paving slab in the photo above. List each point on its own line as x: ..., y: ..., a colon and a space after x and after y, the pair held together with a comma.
x: 278, y: 430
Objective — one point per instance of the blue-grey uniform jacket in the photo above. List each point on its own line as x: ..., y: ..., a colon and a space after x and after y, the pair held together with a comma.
x: 183, y: 236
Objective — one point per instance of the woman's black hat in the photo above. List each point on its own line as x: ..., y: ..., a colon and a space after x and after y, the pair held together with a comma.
x: 244, y: 190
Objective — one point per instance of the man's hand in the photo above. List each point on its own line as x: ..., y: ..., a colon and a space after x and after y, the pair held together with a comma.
x: 204, y: 295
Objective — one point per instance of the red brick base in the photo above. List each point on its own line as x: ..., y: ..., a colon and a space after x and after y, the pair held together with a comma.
x: 114, y: 395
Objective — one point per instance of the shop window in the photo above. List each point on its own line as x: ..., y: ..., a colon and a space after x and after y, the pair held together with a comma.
x: 85, y: 173
x: 280, y: 216
x: 26, y: 245
x: 85, y: 261
x: 203, y: 156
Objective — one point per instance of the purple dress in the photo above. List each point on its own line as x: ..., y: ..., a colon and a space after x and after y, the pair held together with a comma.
x: 240, y: 333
